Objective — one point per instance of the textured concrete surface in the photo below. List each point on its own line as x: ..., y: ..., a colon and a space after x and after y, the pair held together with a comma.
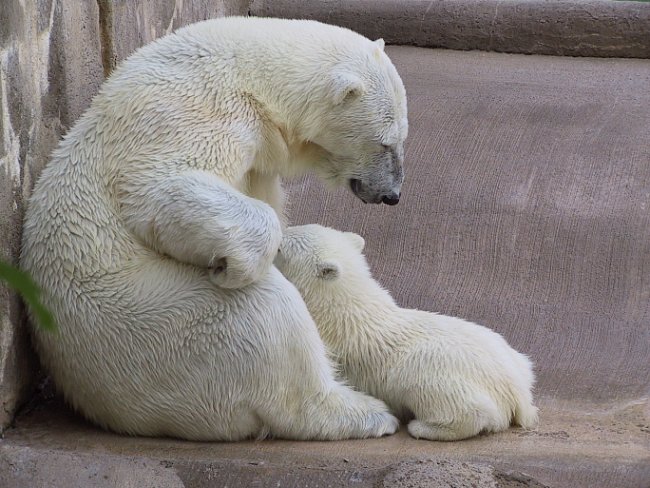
x: 53, y: 57
x: 590, y: 447
x: 525, y: 208
x: 565, y: 27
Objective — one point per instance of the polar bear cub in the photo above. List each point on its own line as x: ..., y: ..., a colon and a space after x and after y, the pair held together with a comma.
x: 455, y: 379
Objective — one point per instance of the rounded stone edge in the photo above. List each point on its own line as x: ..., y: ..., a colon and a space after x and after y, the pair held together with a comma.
x: 596, y: 28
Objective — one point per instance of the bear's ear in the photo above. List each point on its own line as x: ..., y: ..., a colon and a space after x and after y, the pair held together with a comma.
x: 357, y: 241
x: 380, y: 43
x: 345, y: 86
x: 328, y: 270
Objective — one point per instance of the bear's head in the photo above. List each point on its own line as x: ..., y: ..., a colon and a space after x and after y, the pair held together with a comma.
x: 323, y: 264
x: 361, y: 125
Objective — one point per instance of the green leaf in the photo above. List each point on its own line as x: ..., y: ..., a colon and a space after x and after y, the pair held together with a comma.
x: 23, y: 284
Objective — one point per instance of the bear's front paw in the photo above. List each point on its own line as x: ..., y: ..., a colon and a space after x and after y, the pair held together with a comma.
x: 219, y: 275
x: 231, y: 273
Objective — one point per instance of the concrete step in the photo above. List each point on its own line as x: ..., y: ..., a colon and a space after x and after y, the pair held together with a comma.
x: 575, y: 446
x: 602, y: 28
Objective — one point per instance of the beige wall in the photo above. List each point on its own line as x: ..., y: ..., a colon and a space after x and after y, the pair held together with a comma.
x: 54, y: 54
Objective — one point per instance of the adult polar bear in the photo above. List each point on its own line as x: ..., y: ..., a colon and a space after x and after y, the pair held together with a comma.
x: 173, y: 173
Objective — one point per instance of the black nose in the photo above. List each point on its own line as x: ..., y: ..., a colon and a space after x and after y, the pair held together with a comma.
x: 392, y: 199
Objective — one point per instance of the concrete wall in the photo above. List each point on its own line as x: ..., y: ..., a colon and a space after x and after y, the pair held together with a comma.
x: 54, y: 54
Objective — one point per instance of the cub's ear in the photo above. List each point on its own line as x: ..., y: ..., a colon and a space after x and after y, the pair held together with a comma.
x: 380, y: 43
x: 328, y: 270
x: 345, y: 86
x: 357, y: 241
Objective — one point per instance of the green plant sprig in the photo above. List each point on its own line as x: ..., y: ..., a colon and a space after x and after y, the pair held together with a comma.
x: 25, y: 286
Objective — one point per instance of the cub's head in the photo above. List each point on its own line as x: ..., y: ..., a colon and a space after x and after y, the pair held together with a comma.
x: 361, y: 124
x: 322, y: 263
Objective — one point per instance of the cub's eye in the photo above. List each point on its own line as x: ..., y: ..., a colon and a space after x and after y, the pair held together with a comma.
x: 386, y: 147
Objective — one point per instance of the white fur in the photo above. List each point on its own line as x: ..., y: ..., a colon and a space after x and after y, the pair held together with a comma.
x: 153, y: 230
x: 455, y: 378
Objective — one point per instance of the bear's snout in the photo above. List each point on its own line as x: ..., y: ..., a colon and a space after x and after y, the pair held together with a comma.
x: 392, y: 199
x: 367, y: 195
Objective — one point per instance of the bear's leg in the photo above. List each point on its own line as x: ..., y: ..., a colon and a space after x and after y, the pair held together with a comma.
x: 441, y: 432
x: 198, y: 219
x: 268, y: 188
x: 299, y: 397
x: 340, y: 413
x: 176, y: 421
x: 469, y: 418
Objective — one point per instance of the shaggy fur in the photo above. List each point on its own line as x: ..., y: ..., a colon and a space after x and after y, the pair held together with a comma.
x: 154, y: 227
x: 455, y: 378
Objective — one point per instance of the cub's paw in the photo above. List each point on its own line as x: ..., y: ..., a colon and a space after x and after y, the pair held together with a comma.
x: 381, y: 424
x: 370, y: 417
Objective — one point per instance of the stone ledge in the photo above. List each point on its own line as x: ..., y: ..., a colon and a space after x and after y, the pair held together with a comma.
x: 576, y: 445
x: 70, y: 469
x: 599, y: 28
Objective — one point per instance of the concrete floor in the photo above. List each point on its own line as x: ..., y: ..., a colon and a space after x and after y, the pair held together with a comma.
x: 593, y: 447
x: 525, y: 209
